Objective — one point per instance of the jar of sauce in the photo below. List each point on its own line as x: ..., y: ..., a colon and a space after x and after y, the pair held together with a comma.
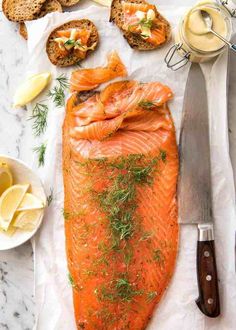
x: 230, y: 6
x: 193, y: 42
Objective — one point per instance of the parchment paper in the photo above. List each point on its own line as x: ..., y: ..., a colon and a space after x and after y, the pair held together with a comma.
x: 177, y: 310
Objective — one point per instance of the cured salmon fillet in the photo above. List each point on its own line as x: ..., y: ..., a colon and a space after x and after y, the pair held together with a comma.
x: 120, y: 167
x: 87, y: 79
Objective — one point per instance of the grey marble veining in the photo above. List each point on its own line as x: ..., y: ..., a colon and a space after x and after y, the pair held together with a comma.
x: 16, y: 289
x: 16, y: 266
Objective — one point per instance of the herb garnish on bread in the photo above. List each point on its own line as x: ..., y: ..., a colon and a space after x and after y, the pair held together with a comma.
x: 70, y: 43
x: 142, y: 25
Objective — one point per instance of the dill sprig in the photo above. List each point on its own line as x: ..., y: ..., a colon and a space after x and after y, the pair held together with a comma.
x: 39, y: 118
x: 151, y: 295
x: 65, y: 214
x: 50, y: 197
x: 40, y: 150
x: 147, y: 23
x: 118, y: 200
x: 158, y: 256
x: 63, y: 81
x: 118, y: 289
x: 125, y: 289
x: 71, y: 280
x: 57, y: 95
x: 148, y: 105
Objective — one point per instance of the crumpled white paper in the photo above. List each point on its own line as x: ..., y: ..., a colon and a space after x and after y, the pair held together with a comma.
x: 177, y: 310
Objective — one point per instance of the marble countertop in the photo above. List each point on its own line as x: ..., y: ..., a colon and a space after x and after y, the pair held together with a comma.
x: 16, y: 266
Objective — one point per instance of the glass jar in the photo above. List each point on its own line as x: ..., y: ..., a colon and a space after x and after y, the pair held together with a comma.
x: 230, y: 6
x: 182, y: 51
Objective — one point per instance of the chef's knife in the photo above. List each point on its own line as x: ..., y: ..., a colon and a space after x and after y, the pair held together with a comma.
x: 232, y: 116
x: 194, y: 187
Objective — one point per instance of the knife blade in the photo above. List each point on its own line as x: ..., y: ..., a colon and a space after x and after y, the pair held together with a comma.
x: 231, y: 91
x: 194, y: 187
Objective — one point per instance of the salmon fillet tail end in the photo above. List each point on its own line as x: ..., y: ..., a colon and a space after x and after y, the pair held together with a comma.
x: 120, y: 168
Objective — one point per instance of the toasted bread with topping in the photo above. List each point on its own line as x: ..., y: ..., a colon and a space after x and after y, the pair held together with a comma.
x: 48, y: 7
x: 135, y: 40
x: 69, y: 56
x: 22, y: 10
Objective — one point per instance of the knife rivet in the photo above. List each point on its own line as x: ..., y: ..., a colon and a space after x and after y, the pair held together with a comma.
x: 208, y: 277
x: 206, y: 254
x: 210, y: 301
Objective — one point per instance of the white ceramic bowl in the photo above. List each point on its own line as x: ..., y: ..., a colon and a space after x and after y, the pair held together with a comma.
x: 22, y: 174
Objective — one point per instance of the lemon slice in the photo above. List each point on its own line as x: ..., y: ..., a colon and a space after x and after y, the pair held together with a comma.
x: 10, y: 231
x: 9, y: 202
x: 30, y: 202
x: 5, y: 177
x: 31, y: 88
x: 28, y: 220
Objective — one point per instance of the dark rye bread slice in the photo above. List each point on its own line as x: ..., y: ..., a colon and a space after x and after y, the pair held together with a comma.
x: 72, y: 58
x: 48, y: 7
x: 68, y: 3
x: 135, y: 40
x: 22, y: 10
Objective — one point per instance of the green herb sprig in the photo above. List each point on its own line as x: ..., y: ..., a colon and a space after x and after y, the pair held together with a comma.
x: 147, y: 23
x: 119, y: 289
x: 40, y: 150
x: 57, y: 94
x: 63, y: 81
x: 50, y: 197
x: 148, y: 105
x: 39, y: 118
x: 151, y: 295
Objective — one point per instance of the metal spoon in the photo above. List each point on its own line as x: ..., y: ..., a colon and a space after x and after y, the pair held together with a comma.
x: 209, y: 23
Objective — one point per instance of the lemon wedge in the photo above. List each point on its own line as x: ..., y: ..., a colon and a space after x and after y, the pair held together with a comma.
x: 27, y: 220
x: 30, y: 202
x: 9, y: 202
x: 31, y: 88
x: 5, y: 177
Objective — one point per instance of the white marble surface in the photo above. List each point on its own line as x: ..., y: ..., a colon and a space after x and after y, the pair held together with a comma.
x: 16, y: 266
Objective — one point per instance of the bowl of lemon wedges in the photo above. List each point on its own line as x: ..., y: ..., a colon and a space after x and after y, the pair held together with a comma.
x: 22, y: 202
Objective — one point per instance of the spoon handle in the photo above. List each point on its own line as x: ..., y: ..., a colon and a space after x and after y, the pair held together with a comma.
x: 222, y: 38
x: 233, y: 47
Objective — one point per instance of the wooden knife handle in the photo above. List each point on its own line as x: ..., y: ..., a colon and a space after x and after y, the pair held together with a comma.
x: 208, y: 301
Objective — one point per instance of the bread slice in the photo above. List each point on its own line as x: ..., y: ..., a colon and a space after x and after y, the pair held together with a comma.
x: 68, y: 3
x: 135, y: 40
x: 22, y: 10
x: 72, y: 58
x: 48, y: 7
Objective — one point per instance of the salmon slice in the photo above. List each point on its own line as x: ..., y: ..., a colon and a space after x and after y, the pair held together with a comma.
x: 87, y: 79
x: 130, y: 10
x: 120, y: 172
x: 75, y: 40
x: 81, y: 34
x: 134, y: 23
x: 108, y: 111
